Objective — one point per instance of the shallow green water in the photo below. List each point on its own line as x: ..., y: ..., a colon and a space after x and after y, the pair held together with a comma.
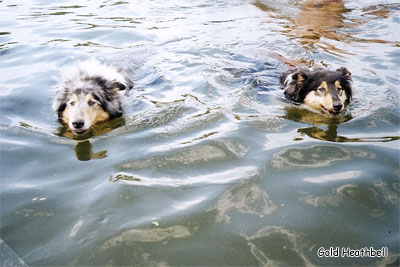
x: 210, y: 165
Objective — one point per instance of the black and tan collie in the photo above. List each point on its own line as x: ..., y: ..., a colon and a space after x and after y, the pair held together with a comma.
x: 88, y: 93
x: 322, y: 89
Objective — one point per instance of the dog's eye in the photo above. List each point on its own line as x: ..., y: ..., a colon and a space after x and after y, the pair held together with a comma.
x: 321, y: 89
x: 72, y: 103
x: 91, y: 103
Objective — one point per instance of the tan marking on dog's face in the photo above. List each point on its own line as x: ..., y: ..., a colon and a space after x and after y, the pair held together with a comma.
x: 300, y: 79
x: 83, y: 111
x: 95, y: 111
x: 342, y: 93
x: 322, y: 97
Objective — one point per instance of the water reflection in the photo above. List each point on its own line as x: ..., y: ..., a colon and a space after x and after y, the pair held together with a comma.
x: 315, y: 156
x: 330, y: 134
x: 302, y: 113
x: 98, y: 129
x: 317, y: 23
x: 204, y: 154
x: 150, y: 118
x: 350, y: 196
x: 83, y: 148
x: 246, y: 197
x: 203, y: 161
x: 223, y: 177
x: 84, y: 151
x: 331, y: 123
x: 275, y: 246
x: 141, y: 246
x: 333, y: 177
x: 132, y: 236
x: 317, y: 20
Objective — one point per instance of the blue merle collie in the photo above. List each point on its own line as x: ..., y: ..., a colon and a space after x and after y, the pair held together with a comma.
x: 88, y: 93
x: 322, y: 89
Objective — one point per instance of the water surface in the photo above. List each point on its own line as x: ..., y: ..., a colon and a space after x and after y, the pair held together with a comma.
x: 210, y: 165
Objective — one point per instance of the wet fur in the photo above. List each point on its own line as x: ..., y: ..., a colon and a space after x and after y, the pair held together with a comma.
x: 88, y: 94
x: 322, y: 89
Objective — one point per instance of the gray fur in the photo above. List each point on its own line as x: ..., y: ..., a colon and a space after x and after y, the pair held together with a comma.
x: 85, y: 91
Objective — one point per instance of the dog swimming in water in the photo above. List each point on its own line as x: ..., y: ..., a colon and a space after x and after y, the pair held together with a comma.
x: 88, y: 93
x: 320, y: 88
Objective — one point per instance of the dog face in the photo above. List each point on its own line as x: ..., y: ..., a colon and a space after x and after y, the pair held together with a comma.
x: 88, y: 94
x: 329, y: 97
x: 82, y: 110
x: 325, y: 90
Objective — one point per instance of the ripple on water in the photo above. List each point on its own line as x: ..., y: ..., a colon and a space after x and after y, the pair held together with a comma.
x: 271, y: 244
x: 189, y: 180
x: 200, y: 155
x: 315, y: 156
x: 140, y: 243
x: 356, y: 198
x: 245, y: 197
x: 222, y: 177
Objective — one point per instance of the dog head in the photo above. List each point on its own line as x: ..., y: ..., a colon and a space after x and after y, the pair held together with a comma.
x: 85, y: 98
x: 322, y: 89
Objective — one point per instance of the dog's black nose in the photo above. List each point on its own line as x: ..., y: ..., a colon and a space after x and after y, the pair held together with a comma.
x: 78, y: 124
x: 338, y: 107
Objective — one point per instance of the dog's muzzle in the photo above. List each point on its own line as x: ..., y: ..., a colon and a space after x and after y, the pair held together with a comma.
x: 78, y: 127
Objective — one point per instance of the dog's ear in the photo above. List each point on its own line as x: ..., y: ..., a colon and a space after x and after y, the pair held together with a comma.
x: 60, y: 110
x: 60, y: 102
x: 114, y: 85
x: 344, y: 72
x: 119, y: 86
x: 300, y: 77
x: 346, y: 81
x: 293, y: 89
